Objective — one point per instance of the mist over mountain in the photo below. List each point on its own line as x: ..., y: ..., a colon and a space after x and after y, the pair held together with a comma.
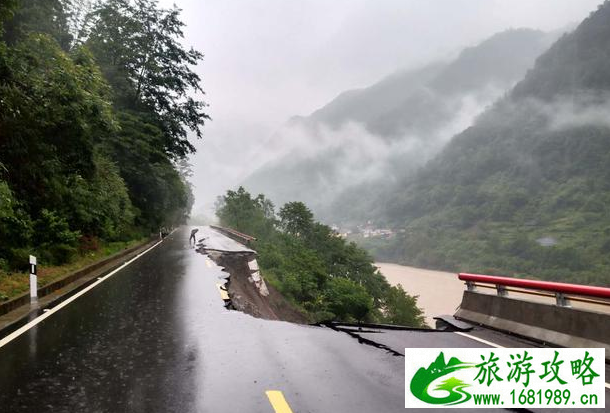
x: 526, y: 189
x: 367, y: 140
x: 411, y: 101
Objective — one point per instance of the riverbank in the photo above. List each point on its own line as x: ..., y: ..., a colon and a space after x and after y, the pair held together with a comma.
x: 439, y: 292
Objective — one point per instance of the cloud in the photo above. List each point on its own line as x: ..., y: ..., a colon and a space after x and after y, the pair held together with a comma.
x: 267, y: 60
x: 583, y: 110
x: 315, y: 163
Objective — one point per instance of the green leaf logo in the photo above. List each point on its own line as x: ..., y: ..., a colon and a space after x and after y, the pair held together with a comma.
x: 423, y: 378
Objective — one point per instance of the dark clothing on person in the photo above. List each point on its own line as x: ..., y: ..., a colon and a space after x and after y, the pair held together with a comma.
x: 192, y: 237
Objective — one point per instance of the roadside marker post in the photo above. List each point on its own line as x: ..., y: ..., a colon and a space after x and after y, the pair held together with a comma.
x: 33, y: 279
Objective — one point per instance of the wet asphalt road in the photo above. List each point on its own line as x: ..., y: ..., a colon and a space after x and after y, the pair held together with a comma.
x: 215, y: 241
x: 155, y: 337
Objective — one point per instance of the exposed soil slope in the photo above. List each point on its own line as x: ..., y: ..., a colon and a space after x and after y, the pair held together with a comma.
x: 246, y: 297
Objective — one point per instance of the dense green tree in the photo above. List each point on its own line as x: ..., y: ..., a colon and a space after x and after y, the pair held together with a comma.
x: 347, y: 299
x: 54, y: 113
x: 296, y: 219
x: 401, y: 308
x: 7, y: 9
x: 50, y: 126
x: 15, y: 230
x: 87, y: 150
x: 101, y: 206
x: 137, y: 44
x: 56, y: 242
x: 39, y: 16
x: 155, y: 186
x: 251, y: 215
x: 320, y: 272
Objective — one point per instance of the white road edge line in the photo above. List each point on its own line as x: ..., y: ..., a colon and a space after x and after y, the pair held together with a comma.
x: 489, y: 343
x: 480, y: 340
x: 64, y: 303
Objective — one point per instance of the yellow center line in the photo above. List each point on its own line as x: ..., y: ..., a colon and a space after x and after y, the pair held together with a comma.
x: 277, y: 400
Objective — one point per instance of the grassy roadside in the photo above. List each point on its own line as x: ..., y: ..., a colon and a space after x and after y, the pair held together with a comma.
x: 16, y: 283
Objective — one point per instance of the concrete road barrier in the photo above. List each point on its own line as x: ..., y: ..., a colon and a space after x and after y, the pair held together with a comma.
x: 562, y: 326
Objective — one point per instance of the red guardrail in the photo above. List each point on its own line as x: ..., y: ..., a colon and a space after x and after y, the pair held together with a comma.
x: 563, y: 288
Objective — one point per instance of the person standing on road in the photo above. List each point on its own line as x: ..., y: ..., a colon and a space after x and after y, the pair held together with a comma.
x: 192, y: 237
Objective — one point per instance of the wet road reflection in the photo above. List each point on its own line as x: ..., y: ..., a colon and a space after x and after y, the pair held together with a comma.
x: 110, y: 350
x: 156, y: 337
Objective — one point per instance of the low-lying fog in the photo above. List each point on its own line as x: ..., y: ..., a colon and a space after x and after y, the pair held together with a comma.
x: 267, y: 61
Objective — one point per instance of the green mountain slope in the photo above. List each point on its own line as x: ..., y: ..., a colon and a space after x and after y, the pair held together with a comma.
x: 365, y: 139
x: 526, y: 189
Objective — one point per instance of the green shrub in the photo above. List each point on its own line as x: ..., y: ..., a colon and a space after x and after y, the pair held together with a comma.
x: 399, y: 308
x: 56, y: 243
x: 311, y: 266
x: 347, y: 300
x: 19, y: 258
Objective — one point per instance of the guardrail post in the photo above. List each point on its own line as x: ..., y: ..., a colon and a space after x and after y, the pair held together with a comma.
x: 33, y: 280
x: 470, y: 286
x: 501, y: 290
x: 562, y: 300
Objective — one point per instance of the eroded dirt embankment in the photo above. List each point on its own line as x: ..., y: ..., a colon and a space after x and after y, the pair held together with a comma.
x: 252, y: 295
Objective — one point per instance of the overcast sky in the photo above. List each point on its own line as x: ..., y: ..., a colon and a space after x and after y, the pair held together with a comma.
x: 268, y: 60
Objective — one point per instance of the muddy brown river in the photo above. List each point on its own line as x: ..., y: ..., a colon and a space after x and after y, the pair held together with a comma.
x: 439, y: 292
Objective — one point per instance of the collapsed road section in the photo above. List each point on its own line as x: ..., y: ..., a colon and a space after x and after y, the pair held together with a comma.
x: 245, y: 288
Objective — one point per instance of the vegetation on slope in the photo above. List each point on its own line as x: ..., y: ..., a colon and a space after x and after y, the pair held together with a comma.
x: 318, y: 271
x: 14, y: 284
x: 526, y: 190
x: 94, y: 117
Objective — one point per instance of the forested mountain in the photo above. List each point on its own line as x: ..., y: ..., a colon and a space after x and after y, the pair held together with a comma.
x: 526, y: 189
x: 94, y: 116
x: 365, y: 139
